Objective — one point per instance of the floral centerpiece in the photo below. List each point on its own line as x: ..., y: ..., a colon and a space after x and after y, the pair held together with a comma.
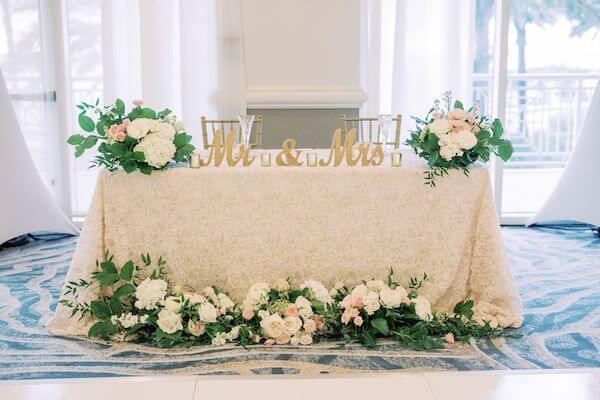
x: 136, y: 303
x: 451, y: 138
x: 141, y: 139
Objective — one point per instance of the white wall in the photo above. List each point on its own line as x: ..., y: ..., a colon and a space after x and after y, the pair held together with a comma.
x: 302, y: 54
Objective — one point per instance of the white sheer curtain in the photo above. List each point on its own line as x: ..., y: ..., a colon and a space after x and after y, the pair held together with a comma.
x: 182, y: 54
x: 416, y: 50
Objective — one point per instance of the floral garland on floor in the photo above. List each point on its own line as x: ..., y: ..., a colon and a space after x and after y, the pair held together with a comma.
x: 136, y: 303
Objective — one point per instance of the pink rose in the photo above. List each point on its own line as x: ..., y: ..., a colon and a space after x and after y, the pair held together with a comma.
x: 406, y: 300
x: 310, y: 326
x: 119, y: 137
x: 282, y: 339
x: 338, y: 285
x: 437, y: 115
x: 449, y: 338
x: 358, y: 321
x: 292, y: 310
x: 357, y: 302
x: 126, y: 122
x: 345, y: 318
x: 353, y: 313
x: 256, y: 339
x: 320, y: 323
x: 269, y: 342
x: 247, y: 313
x: 137, y: 103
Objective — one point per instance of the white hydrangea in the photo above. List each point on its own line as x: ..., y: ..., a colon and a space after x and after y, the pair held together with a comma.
x: 233, y: 334
x: 150, y: 293
x: 319, y: 290
x: 220, y: 339
x: 371, y: 302
x: 169, y: 322
x: 162, y: 129
x: 440, y: 126
x: 128, y: 320
x: 173, y: 304
x: 157, y: 150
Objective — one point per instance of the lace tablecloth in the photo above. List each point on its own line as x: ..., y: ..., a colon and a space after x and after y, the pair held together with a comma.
x: 234, y: 226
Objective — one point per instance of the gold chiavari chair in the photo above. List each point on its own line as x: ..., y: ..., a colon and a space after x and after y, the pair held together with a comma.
x: 367, y: 129
x: 226, y: 126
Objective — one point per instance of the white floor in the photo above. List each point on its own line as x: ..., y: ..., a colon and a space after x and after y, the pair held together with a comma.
x: 497, y: 385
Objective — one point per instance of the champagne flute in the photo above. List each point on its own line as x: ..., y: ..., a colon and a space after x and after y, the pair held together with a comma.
x: 385, y: 123
x: 246, y: 122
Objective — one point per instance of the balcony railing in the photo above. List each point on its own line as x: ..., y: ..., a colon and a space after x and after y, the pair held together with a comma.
x: 544, y: 113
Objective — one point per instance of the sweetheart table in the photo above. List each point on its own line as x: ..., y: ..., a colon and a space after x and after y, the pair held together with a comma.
x: 234, y: 226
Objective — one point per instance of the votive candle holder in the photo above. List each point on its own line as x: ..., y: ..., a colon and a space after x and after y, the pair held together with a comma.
x: 396, y: 159
x: 311, y: 159
x: 195, y: 160
x: 265, y: 159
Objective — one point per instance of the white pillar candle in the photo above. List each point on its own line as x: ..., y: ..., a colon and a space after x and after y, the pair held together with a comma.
x: 195, y: 161
x: 311, y: 159
x: 265, y: 159
x: 396, y: 159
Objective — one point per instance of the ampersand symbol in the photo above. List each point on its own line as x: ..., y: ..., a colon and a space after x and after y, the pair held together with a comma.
x: 291, y: 160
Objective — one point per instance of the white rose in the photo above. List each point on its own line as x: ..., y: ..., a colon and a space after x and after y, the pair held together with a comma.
x: 273, y: 326
x: 211, y: 294
x: 143, y: 319
x: 207, y: 312
x: 305, y: 339
x: 225, y: 303
x: 194, y: 298
x: 233, y: 334
x: 138, y: 128
x: 376, y: 285
x: 422, y: 308
x: 466, y: 139
x: 257, y: 296
x: 173, y: 304
x: 281, y: 285
x: 304, y: 306
x: 220, y: 339
x: 150, y: 293
x: 157, y: 150
x: 319, y: 290
x: 263, y: 314
x: 196, y: 328
x: 295, y: 341
x: 292, y: 325
x: 446, y: 152
x: 371, y: 302
x: 169, y: 322
x: 440, y: 126
x: 178, y: 126
x: 392, y: 298
x: 359, y: 291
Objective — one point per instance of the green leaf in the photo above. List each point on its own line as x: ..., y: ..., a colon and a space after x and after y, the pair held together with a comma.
x: 107, y: 278
x: 100, y: 309
x: 90, y: 142
x: 79, y: 149
x: 505, y: 150
x: 118, y: 149
x: 145, y: 169
x: 381, y: 325
x: 103, y: 329
x: 458, y: 104
x: 86, y: 123
x: 120, y: 106
x: 100, y: 128
x: 116, y: 308
x: 148, y: 113
x: 127, y: 271
x: 497, y: 128
x: 129, y: 165
x: 138, y: 155
x: 124, y: 290
x: 75, y: 139
x: 108, y: 266
x: 180, y: 140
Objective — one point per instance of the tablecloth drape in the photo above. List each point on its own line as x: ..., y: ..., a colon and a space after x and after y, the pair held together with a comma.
x: 234, y: 226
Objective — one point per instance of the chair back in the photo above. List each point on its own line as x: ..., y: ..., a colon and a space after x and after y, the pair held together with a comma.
x: 367, y: 129
x: 224, y: 126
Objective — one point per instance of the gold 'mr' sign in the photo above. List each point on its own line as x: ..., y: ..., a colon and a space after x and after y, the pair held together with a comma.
x: 289, y: 156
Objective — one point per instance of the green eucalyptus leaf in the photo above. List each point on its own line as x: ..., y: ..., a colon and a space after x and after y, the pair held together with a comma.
x: 497, y: 128
x: 79, y: 149
x: 505, y: 150
x: 86, y: 123
x: 90, y: 142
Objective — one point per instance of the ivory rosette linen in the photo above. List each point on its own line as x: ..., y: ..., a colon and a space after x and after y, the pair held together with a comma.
x: 235, y: 226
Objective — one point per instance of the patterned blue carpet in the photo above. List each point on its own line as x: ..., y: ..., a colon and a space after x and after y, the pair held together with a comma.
x: 557, y: 272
